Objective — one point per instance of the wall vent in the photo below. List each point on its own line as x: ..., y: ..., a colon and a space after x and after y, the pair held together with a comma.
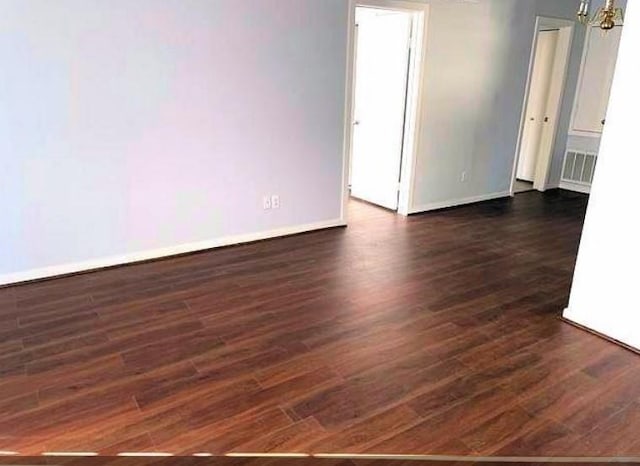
x: 579, y: 167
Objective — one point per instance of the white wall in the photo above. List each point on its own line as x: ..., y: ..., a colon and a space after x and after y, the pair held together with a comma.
x: 477, y: 64
x: 129, y: 126
x: 605, y: 289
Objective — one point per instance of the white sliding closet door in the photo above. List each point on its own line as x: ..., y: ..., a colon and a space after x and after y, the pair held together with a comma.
x: 537, y: 104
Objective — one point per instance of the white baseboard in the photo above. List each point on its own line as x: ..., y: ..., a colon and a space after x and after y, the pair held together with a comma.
x: 66, y: 269
x: 458, y: 202
x: 578, y: 188
x: 567, y: 315
x: 604, y: 328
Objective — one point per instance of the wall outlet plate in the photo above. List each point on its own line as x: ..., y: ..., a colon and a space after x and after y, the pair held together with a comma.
x: 275, y: 201
x: 266, y: 202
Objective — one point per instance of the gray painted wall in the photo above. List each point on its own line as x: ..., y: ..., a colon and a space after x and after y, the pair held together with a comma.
x: 128, y: 126
x: 477, y: 62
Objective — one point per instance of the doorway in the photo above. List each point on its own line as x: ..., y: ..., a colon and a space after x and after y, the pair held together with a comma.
x: 383, y: 100
x: 543, y: 101
x: 380, y: 97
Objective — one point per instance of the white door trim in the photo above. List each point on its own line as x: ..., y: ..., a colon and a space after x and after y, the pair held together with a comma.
x: 560, y: 72
x: 414, y: 98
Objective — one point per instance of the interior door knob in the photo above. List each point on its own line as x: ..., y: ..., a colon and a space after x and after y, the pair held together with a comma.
x: 546, y: 119
x: 603, y: 122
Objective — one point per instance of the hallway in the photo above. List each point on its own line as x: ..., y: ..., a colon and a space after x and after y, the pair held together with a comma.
x: 433, y: 334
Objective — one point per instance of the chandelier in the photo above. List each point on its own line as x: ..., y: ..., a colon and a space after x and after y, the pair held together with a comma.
x: 606, y: 17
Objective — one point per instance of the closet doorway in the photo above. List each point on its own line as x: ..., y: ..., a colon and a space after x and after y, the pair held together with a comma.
x: 545, y: 89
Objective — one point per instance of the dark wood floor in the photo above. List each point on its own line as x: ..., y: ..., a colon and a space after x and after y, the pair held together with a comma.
x: 437, y: 334
x: 289, y: 461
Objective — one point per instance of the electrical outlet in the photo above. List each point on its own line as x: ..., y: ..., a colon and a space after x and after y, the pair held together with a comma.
x: 463, y: 177
x: 275, y: 201
x: 266, y: 202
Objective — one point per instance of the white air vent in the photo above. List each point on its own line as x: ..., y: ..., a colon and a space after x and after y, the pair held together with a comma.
x: 579, y: 167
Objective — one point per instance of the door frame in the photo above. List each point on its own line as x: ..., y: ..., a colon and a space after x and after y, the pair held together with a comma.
x: 413, y: 111
x: 560, y: 73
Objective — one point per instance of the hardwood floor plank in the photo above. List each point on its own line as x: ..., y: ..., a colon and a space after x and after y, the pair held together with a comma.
x: 551, y: 402
x: 428, y: 435
x: 67, y: 416
x: 70, y: 383
x: 615, y: 436
x: 483, y: 439
x: 295, y: 438
x: 359, y: 437
x: 106, y: 445
x: 548, y: 439
x: 222, y: 437
x: 609, y: 398
x: 364, y: 394
x: 181, y: 347
x: 433, y: 334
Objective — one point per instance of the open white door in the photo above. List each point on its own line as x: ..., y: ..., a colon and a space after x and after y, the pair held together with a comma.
x: 382, y: 63
x: 537, y: 104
